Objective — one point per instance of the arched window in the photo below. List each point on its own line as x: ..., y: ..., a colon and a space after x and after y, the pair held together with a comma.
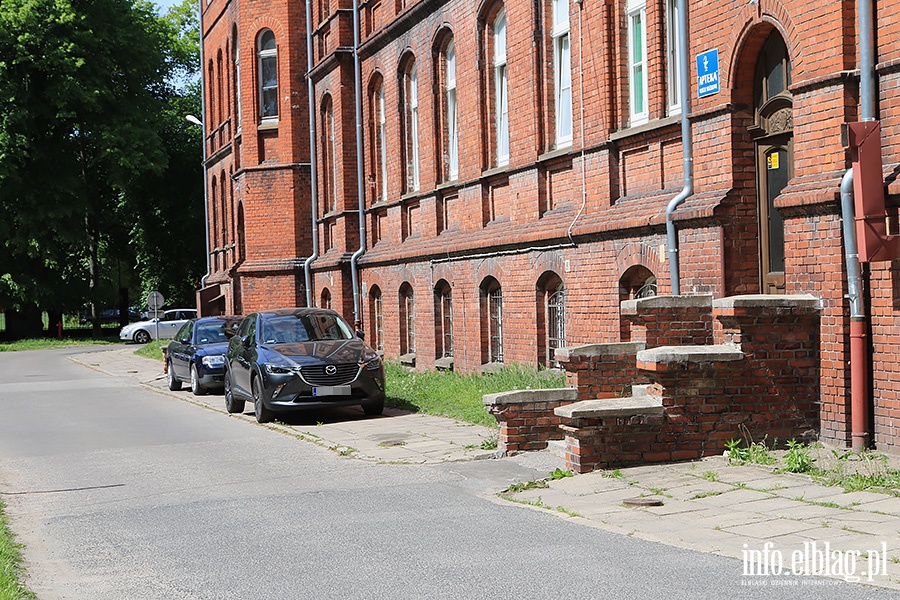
x: 551, y: 317
x: 407, y: 320
x: 325, y: 301
x: 410, y: 86
x: 501, y: 91
x: 376, y: 317
x: 443, y: 320
x: 329, y: 155
x: 214, y: 225
x: 448, y: 110
x: 267, y: 56
x: 492, y: 321
x: 378, y: 142
x: 636, y: 282
x: 236, y: 86
x: 562, y: 73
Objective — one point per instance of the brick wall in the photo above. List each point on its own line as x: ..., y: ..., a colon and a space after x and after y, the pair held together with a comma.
x: 572, y: 211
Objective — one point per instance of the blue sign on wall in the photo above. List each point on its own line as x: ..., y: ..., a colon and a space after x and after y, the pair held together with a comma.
x: 708, y: 73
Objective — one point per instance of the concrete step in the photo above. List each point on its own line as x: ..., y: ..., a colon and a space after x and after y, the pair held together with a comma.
x: 557, y: 448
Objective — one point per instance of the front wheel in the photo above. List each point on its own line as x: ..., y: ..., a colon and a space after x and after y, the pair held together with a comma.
x: 263, y: 414
x: 373, y: 410
x: 173, y: 381
x: 232, y: 404
x: 141, y: 337
x: 196, y: 388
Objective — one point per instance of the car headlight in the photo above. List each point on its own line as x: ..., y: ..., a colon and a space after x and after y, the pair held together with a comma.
x: 371, y: 362
x: 279, y: 369
x: 216, y: 360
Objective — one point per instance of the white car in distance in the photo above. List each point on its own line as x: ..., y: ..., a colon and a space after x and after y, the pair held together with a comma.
x: 168, y: 324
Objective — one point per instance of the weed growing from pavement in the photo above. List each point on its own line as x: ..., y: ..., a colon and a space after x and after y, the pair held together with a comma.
x: 711, y: 476
x: 706, y: 495
x: 489, y: 444
x: 616, y: 474
x: 458, y: 396
x: 798, y: 458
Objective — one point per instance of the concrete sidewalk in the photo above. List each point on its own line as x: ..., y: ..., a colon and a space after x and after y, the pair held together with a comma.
x: 783, y: 527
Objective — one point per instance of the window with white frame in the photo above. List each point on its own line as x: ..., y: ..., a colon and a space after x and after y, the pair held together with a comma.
x: 562, y: 73
x: 673, y: 67
x: 411, y: 98
x: 452, y: 149
x: 495, y: 325
x: 267, y: 54
x: 501, y: 98
x: 636, y: 13
x: 382, y: 145
x: 331, y: 184
x: 236, y: 88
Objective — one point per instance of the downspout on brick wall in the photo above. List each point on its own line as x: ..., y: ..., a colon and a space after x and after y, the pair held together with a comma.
x: 686, y: 148
x: 360, y: 188
x: 203, y: 141
x: 859, y: 358
x: 313, y: 163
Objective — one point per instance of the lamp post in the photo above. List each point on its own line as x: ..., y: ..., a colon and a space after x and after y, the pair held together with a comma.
x: 194, y: 120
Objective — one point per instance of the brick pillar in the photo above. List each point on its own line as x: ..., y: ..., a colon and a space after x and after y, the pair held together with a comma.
x: 670, y: 320
x: 601, y: 370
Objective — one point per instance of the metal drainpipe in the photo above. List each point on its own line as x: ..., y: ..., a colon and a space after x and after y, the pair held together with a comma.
x: 859, y: 356
x: 859, y: 367
x: 360, y: 188
x: 686, y: 148
x: 203, y: 141
x: 313, y: 165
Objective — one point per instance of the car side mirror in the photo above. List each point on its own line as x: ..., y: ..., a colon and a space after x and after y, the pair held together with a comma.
x: 185, y: 340
x: 245, y: 341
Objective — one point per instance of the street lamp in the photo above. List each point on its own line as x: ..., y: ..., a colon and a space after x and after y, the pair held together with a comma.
x: 195, y: 121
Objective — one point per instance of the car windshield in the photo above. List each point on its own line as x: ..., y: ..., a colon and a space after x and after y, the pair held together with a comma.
x: 210, y: 333
x: 290, y: 329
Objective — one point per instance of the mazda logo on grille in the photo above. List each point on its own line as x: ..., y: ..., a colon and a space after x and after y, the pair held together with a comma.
x: 330, y: 370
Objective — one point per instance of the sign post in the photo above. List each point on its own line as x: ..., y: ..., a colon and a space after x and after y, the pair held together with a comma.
x: 155, y: 300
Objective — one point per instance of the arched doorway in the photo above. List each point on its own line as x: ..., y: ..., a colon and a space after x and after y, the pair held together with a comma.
x: 772, y: 134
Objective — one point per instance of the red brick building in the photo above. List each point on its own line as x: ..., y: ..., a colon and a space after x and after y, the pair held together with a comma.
x: 518, y: 159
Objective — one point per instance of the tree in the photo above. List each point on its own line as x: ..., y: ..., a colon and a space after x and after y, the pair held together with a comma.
x: 86, y: 106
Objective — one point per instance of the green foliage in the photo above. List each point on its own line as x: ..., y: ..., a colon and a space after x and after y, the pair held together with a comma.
x: 450, y: 394
x: 798, y: 458
x: 44, y: 343
x: 753, y: 452
x: 152, y: 350
x: 85, y: 99
x: 560, y: 474
x: 11, y: 572
x: 859, y: 471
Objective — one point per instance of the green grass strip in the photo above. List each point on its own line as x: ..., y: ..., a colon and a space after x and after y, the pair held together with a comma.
x: 11, y: 571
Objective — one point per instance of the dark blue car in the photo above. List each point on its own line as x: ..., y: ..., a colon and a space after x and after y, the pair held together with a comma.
x: 300, y: 359
x: 197, y: 353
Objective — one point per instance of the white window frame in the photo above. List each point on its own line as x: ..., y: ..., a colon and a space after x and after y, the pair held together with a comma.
x: 673, y: 65
x: 636, y: 12
x: 452, y: 128
x: 501, y: 90
x: 412, y: 88
x: 332, y: 157
x: 382, y: 143
x: 263, y: 56
x: 562, y: 73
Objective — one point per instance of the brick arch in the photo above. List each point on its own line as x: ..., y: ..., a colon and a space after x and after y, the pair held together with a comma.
x: 440, y: 37
x: 489, y: 268
x: 639, y: 254
x: 265, y: 22
x: 746, y: 41
x: 550, y: 261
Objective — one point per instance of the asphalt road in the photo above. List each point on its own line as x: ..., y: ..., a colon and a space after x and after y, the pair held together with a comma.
x: 119, y: 493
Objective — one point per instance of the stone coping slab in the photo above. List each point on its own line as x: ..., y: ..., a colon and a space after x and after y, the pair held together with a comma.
x: 805, y: 301
x: 633, y: 307
x: 612, y: 407
x: 690, y: 354
x: 589, y: 350
x: 531, y: 396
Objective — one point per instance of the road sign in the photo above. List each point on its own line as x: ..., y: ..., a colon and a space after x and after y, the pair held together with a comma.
x: 708, y: 73
x: 155, y: 300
